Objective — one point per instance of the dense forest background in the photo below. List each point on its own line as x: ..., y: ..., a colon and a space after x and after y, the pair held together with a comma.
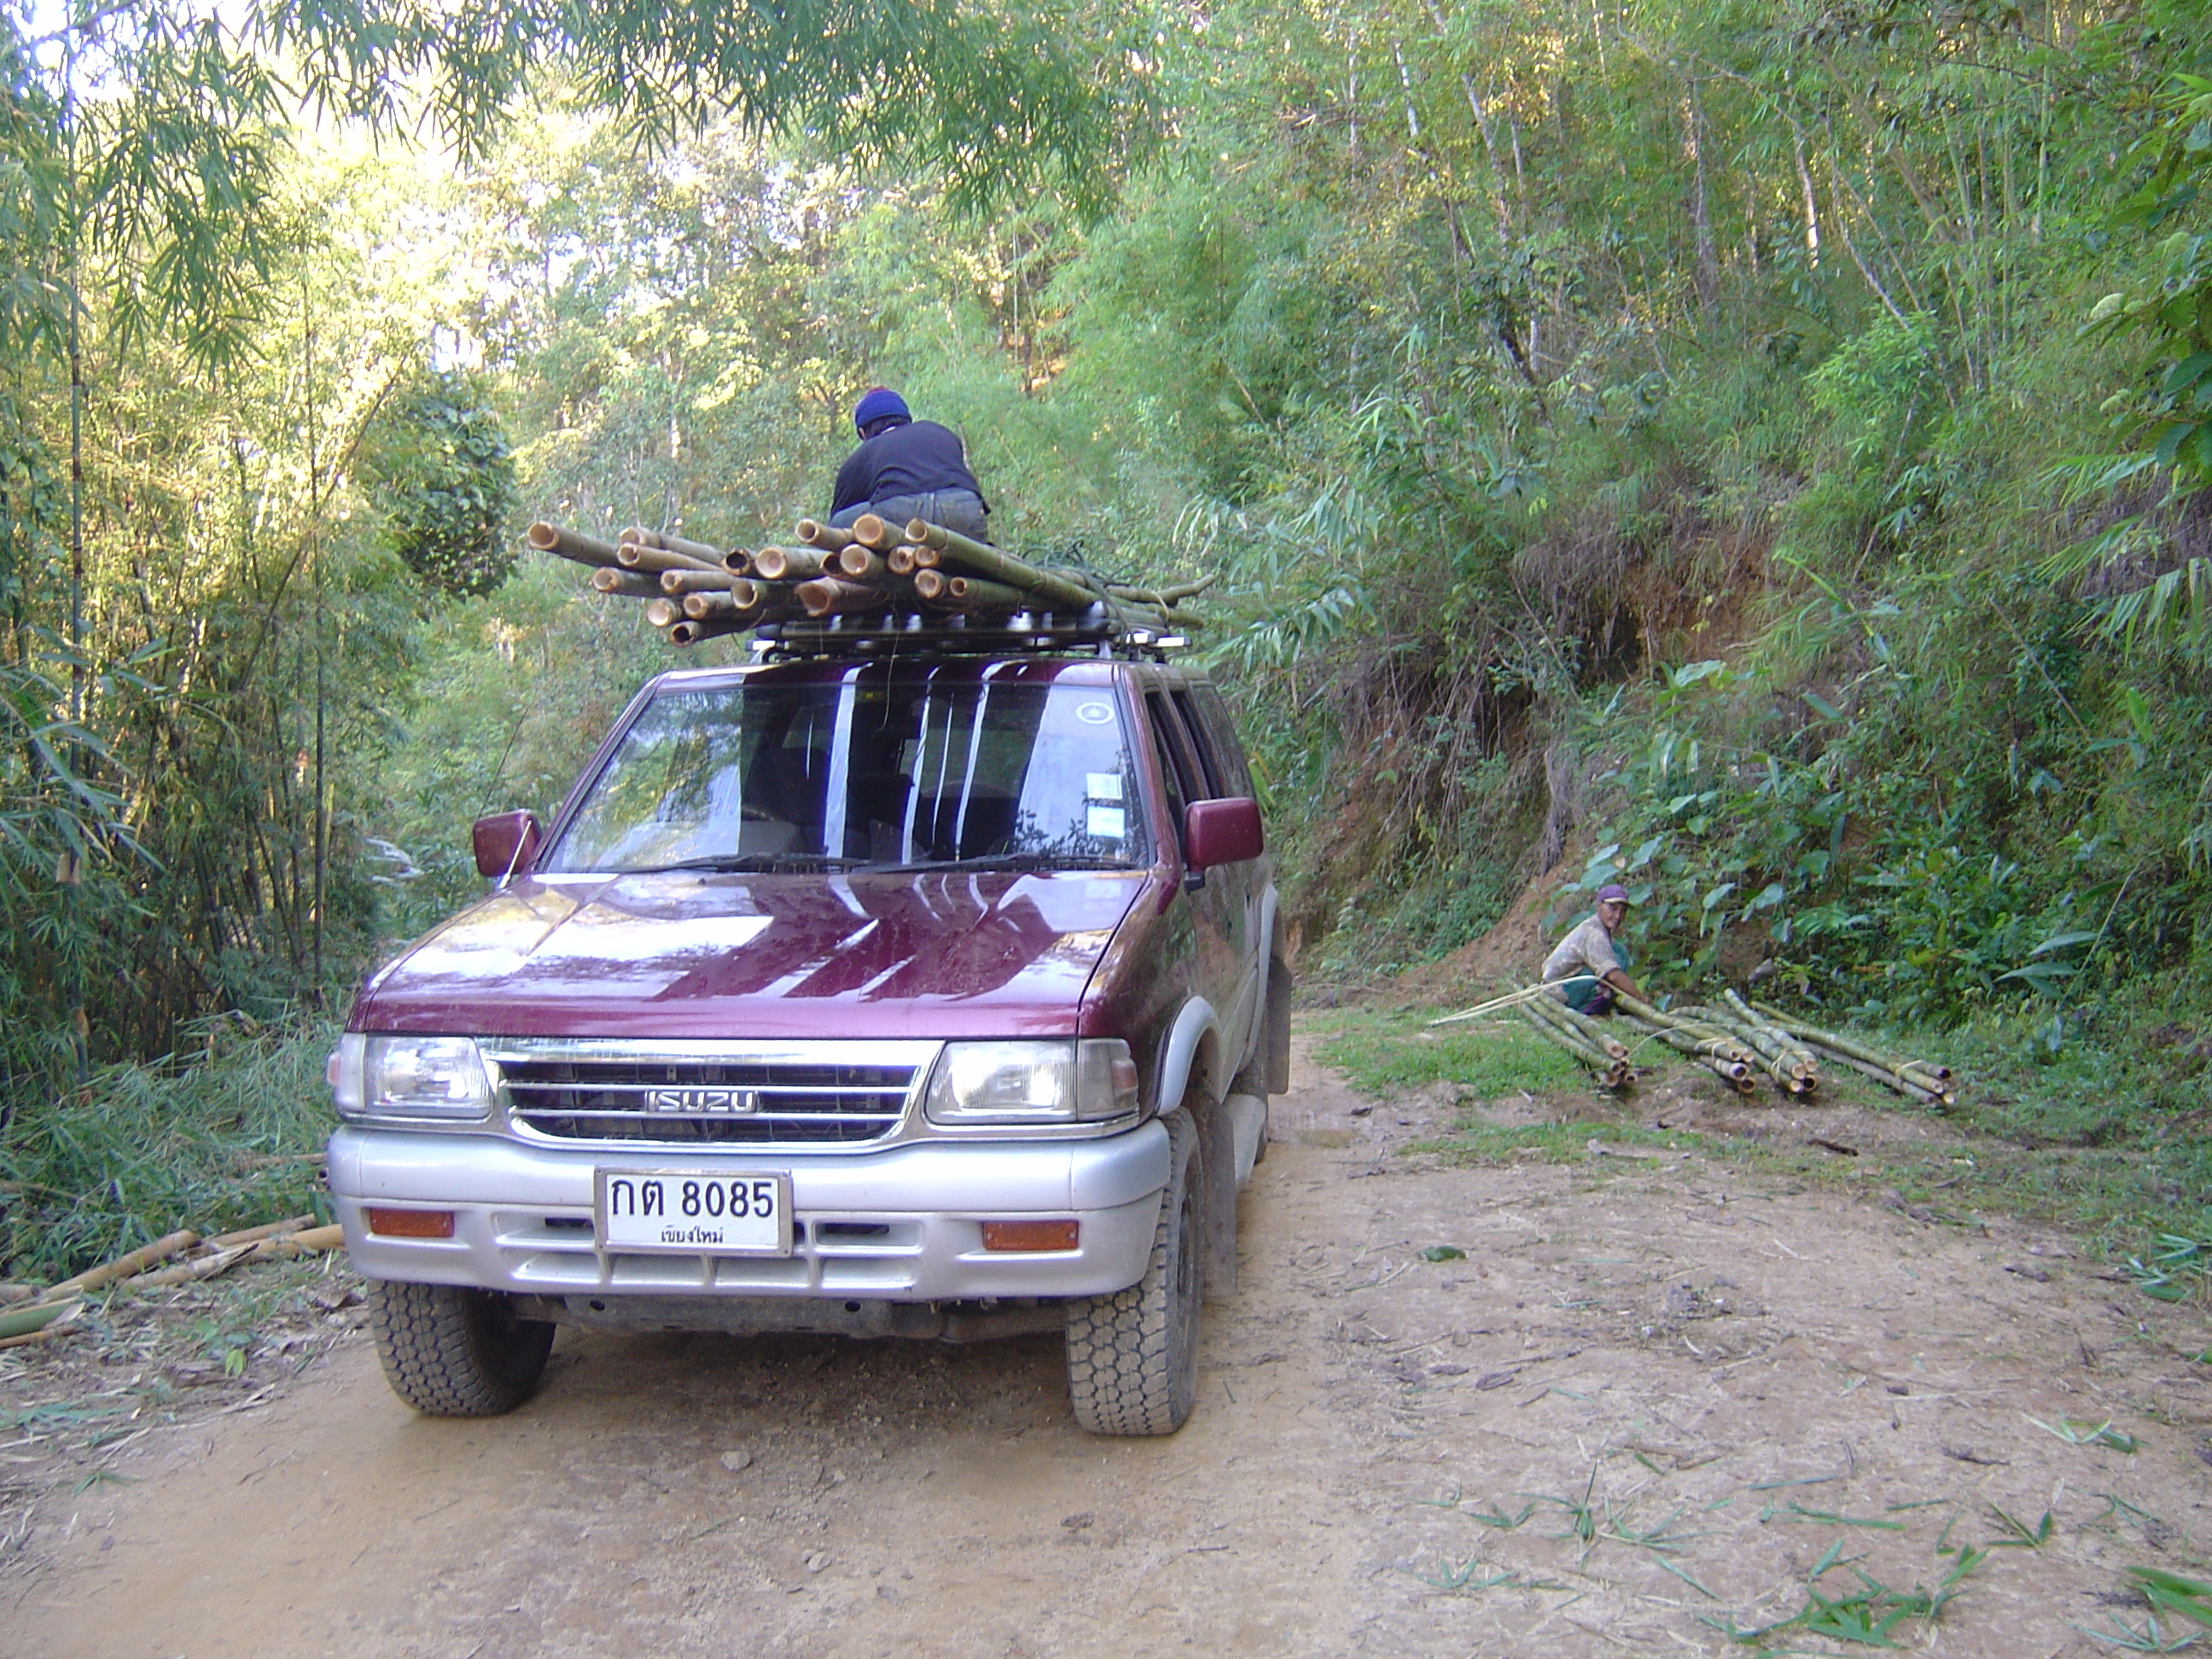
x: 1747, y: 451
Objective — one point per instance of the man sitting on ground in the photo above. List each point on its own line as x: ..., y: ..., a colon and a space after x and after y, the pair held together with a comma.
x: 907, y: 469
x: 1590, y: 963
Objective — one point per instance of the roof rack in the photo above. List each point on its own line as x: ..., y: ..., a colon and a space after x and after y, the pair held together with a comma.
x: 1095, y: 630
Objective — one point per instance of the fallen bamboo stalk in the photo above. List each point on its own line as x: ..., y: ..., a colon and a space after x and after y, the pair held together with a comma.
x: 633, y: 555
x: 1735, y: 1070
x: 1780, y: 1058
x: 1759, y: 1022
x: 828, y: 537
x: 123, y: 1267
x: 186, y: 1273
x: 1579, y: 1024
x: 639, y: 537
x: 571, y: 544
x: 678, y: 583
x: 1719, y: 1040
x: 315, y: 1241
x: 1611, y: 1073
x: 35, y: 1316
x: 777, y: 564
x: 625, y: 584
x: 255, y: 1235
x: 1835, y: 1042
x: 1496, y: 1003
x: 1000, y: 566
x: 1890, y: 1080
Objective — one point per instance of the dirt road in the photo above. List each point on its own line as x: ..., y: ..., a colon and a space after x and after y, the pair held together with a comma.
x: 1653, y: 1399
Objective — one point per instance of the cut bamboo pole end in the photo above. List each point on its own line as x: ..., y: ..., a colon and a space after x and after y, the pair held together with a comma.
x: 634, y: 556
x: 828, y: 537
x: 677, y: 583
x: 637, y: 536
x: 777, y: 564
x: 571, y: 545
x: 625, y: 584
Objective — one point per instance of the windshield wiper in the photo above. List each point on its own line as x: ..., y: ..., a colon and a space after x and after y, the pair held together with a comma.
x: 749, y: 864
x: 1004, y: 861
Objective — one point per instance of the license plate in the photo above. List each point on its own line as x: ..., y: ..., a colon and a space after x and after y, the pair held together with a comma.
x: 686, y: 1213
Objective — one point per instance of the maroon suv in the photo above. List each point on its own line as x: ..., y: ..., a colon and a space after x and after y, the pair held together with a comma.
x: 914, y: 994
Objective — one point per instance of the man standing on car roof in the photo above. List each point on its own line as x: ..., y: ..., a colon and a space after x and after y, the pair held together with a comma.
x: 1591, y: 960
x: 907, y: 469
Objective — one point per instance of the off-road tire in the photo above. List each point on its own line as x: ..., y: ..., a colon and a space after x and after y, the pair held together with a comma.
x: 448, y: 1351
x: 1132, y: 1356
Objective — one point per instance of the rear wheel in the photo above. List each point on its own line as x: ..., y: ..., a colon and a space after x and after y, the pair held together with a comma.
x: 1132, y: 1356
x: 450, y: 1352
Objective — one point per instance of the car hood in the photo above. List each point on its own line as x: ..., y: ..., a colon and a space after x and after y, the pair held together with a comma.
x: 687, y: 954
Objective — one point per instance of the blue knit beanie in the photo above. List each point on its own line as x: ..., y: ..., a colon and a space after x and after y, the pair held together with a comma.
x: 876, y: 405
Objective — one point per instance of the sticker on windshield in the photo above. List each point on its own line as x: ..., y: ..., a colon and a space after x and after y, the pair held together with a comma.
x: 1095, y: 713
x: 1102, y: 786
x: 1108, y: 822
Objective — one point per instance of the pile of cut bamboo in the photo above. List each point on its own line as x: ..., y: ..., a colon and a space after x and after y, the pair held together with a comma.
x: 47, y: 1313
x: 693, y: 592
x: 1740, y: 1042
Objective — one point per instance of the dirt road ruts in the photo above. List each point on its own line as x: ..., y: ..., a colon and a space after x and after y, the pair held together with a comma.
x: 1652, y: 1394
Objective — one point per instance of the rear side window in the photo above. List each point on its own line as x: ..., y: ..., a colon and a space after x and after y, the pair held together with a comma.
x: 1178, y: 766
x: 1208, y: 714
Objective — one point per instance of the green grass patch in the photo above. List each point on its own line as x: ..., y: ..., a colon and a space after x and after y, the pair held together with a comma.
x: 216, y: 1143
x: 1383, y: 1053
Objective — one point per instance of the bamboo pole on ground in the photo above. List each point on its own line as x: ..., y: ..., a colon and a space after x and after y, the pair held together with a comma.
x: 1736, y: 1073
x: 1787, y: 1064
x: 638, y: 536
x: 1611, y: 1073
x: 1759, y: 1022
x: 625, y: 584
x: 1908, y: 1077
x: 1579, y: 1024
x: 1001, y: 566
x: 123, y: 1267
x: 571, y: 545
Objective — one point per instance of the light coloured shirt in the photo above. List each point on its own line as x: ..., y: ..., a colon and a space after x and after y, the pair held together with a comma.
x: 1587, y: 950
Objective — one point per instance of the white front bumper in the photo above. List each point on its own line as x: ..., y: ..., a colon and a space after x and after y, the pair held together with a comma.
x: 898, y: 1225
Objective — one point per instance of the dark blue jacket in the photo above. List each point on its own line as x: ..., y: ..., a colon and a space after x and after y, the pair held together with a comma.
x: 912, y: 459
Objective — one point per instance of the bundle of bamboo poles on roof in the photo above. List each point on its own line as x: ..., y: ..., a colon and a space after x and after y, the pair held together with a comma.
x: 695, y: 591
x: 1582, y: 1038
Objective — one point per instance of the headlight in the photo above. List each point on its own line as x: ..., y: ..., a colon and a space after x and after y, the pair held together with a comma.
x: 1062, y: 1081
x: 417, y: 1077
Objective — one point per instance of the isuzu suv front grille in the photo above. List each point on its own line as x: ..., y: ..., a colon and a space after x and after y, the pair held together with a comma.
x: 707, y: 1093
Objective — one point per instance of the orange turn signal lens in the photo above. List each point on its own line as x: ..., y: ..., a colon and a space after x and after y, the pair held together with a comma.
x: 1030, y: 1235
x: 412, y: 1224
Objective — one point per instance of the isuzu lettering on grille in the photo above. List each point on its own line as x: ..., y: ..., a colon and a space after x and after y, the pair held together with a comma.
x: 704, y: 1102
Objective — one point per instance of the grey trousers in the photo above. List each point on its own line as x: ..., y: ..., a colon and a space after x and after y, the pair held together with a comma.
x: 960, y: 510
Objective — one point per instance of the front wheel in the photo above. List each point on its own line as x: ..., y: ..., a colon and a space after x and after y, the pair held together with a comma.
x: 1132, y: 1356
x: 449, y: 1352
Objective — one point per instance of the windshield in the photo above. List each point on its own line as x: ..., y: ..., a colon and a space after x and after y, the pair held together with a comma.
x: 881, y: 768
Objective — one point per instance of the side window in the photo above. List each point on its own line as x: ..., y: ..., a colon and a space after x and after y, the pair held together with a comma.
x: 1228, y: 749
x: 1175, y: 761
x: 1213, y: 781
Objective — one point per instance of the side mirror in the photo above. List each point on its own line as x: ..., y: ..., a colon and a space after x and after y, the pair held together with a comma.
x: 505, y: 844
x: 1222, y: 832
